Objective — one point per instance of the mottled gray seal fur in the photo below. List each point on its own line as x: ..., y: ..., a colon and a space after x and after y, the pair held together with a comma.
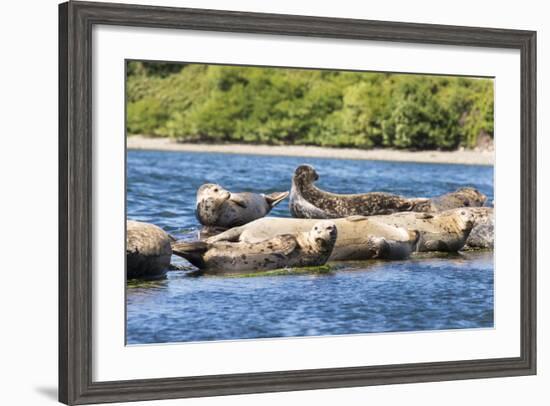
x: 444, y: 231
x: 217, y: 207
x: 462, y: 197
x: 308, y: 201
x: 309, y: 248
x: 358, y: 237
x: 148, y: 250
x: 482, y: 235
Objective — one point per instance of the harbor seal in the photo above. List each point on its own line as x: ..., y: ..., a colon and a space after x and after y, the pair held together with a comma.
x: 462, y: 197
x: 482, y: 235
x: 403, y: 232
x: 308, y: 201
x: 217, y: 207
x: 308, y: 248
x: 444, y: 231
x: 148, y: 250
x: 358, y: 238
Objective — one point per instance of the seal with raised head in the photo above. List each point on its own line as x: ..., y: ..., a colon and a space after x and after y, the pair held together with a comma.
x: 359, y: 238
x: 308, y: 248
x: 148, y: 250
x: 308, y: 201
x: 218, y: 207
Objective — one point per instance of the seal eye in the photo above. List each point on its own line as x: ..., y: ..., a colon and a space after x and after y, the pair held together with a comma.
x: 216, y: 189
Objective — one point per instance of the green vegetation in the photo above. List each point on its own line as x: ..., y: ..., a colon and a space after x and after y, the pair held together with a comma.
x: 314, y: 270
x: 210, y: 103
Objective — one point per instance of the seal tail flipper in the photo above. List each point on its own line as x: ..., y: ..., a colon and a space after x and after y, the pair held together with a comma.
x: 238, y: 200
x: 273, y: 199
x: 191, y: 251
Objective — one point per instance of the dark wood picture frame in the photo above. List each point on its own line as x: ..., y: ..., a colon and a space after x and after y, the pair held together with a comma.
x: 76, y: 20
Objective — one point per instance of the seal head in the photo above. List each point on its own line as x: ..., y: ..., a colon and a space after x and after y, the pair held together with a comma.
x: 305, y: 174
x: 323, y: 236
x: 210, y: 199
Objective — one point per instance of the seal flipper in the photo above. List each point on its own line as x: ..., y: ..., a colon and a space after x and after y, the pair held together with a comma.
x: 191, y: 251
x: 273, y: 199
x: 285, y: 245
x: 238, y: 200
x: 231, y: 235
x: 357, y: 218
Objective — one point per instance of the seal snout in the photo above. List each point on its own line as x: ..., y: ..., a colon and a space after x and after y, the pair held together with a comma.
x: 324, y: 232
x: 467, y: 219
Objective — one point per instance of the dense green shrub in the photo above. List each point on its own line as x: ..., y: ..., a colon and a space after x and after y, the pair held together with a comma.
x: 211, y: 103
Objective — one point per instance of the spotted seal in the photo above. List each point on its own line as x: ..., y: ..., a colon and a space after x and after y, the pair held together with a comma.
x: 307, y: 248
x: 148, y: 250
x: 308, y: 201
x: 358, y: 238
x: 444, y: 231
x: 403, y: 232
x: 462, y: 197
x: 482, y: 235
x: 217, y: 207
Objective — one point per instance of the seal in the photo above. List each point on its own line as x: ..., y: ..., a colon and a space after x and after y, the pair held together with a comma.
x: 148, y: 250
x: 482, y: 235
x: 403, y: 233
x: 462, y: 197
x: 217, y: 207
x: 308, y: 201
x: 359, y: 237
x: 444, y: 231
x: 308, y: 248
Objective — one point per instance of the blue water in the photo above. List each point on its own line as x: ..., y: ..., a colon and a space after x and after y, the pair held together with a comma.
x: 425, y: 293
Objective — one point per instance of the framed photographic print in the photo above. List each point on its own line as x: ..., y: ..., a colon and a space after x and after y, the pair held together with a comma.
x: 259, y: 202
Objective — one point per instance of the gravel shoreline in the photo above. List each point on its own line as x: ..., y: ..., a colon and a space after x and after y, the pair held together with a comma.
x: 466, y: 157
